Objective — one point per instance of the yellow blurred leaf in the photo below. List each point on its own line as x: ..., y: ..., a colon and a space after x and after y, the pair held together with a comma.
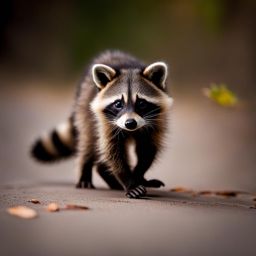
x: 221, y: 95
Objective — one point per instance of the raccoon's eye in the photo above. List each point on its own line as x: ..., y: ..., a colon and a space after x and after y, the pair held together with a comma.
x: 142, y: 104
x: 118, y: 104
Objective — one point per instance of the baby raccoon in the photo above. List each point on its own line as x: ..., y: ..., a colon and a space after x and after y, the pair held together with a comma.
x: 120, y: 102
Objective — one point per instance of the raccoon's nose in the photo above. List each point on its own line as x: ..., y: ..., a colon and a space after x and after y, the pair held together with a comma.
x: 130, y: 124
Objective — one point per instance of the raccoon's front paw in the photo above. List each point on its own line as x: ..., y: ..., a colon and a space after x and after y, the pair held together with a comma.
x: 84, y: 184
x: 136, y: 192
x: 154, y: 183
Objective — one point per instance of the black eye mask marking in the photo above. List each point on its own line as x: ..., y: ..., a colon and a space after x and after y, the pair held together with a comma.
x: 114, y: 109
x: 145, y: 108
x: 142, y: 107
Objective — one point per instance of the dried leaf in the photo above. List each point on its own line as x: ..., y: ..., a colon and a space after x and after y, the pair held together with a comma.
x: 22, y: 212
x: 34, y: 201
x: 221, y: 95
x: 181, y: 189
x: 53, y: 207
x: 76, y: 207
x: 205, y: 192
x: 226, y: 193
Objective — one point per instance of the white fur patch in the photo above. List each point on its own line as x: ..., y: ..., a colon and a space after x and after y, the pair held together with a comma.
x: 48, y: 145
x: 131, y: 153
x: 64, y: 132
x: 100, y: 103
x: 121, y: 120
x: 164, y: 100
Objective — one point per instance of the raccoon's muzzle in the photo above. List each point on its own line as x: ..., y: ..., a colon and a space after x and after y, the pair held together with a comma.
x: 130, y: 121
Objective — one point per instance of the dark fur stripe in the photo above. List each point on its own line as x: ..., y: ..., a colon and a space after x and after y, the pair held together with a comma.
x: 73, y: 129
x: 39, y: 152
x: 62, y: 149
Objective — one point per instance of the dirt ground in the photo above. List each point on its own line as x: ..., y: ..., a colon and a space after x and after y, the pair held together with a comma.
x: 208, y: 148
x: 164, y: 223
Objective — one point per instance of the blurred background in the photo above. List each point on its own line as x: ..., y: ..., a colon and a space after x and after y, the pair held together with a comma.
x: 45, y: 45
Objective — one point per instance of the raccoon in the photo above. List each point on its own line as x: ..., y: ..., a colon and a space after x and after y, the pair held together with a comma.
x: 120, y: 102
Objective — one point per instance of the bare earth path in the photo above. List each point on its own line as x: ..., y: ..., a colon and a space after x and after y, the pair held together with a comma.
x: 165, y: 223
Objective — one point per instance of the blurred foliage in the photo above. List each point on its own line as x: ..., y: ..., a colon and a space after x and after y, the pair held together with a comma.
x: 212, y: 13
x: 98, y: 25
x: 199, y: 39
x: 221, y: 95
x: 136, y: 26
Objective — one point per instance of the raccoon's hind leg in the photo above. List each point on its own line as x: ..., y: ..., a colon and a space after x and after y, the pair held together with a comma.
x: 85, y: 180
x: 86, y: 158
x: 85, y: 149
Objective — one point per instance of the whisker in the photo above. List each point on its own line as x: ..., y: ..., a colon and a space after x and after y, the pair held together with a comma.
x: 154, y: 114
x: 153, y: 110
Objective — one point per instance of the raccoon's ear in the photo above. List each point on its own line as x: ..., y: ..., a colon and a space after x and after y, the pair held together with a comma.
x: 102, y: 74
x: 156, y: 73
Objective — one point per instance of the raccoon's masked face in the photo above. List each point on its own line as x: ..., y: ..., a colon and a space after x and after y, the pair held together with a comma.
x: 131, y: 98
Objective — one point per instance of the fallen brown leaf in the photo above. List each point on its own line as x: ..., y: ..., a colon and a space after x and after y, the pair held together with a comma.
x: 22, y: 212
x: 226, y: 193
x: 180, y: 189
x: 53, y: 207
x: 76, y: 207
x: 205, y: 192
x: 254, y: 199
x: 34, y: 201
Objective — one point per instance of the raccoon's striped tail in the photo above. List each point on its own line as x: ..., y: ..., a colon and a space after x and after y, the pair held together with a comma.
x: 55, y: 145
